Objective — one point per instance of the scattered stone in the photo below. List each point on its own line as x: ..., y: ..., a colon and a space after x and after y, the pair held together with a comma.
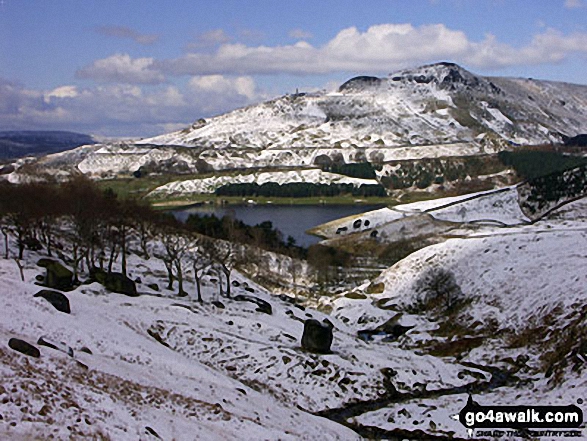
x: 115, y: 282
x: 24, y: 347
x: 40, y: 278
x: 58, y: 276
x: 262, y: 305
x: 236, y: 283
x: 218, y: 304
x: 151, y: 431
x: 157, y: 337
x: 317, y: 337
x: 357, y: 223
x: 86, y: 350
x: 59, y: 301
x: 138, y: 280
x: 374, y: 234
x: 248, y: 289
x: 153, y: 286
x: 57, y: 346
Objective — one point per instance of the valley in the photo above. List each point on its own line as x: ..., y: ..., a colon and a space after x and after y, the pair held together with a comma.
x: 454, y: 268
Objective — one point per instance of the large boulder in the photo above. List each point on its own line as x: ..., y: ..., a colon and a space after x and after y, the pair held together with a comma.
x: 317, y: 337
x: 115, y: 282
x: 24, y: 347
x: 57, y: 276
x: 59, y: 301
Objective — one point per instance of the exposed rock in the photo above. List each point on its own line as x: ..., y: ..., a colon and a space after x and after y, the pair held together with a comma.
x: 58, y: 276
x: 59, y: 301
x: 57, y: 346
x: 317, y: 336
x: 390, y: 330
x: 153, y: 286
x: 24, y: 347
x: 262, y: 305
x: 218, y: 304
x: 115, y: 282
x: 360, y: 83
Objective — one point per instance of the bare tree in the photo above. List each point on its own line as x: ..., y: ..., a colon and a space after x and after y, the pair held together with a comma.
x: 225, y: 255
x: 175, y: 246
x: 200, y: 262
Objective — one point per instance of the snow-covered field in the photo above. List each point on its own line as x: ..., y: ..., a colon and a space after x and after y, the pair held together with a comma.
x: 209, y: 185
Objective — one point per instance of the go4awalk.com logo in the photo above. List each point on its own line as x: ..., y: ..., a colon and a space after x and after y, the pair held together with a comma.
x: 523, y: 420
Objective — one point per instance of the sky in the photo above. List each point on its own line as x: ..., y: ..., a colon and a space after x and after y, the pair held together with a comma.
x: 138, y: 68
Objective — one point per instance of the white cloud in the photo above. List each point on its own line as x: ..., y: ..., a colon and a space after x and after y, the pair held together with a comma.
x: 62, y: 92
x: 244, y: 86
x: 300, y: 34
x: 379, y: 49
x: 122, y: 109
x: 573, y: 4
x: 121, y: 68
x: 217, y: 93
x: 123, y: 32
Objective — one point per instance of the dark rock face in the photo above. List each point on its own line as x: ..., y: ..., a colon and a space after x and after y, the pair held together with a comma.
x: 115, y: 282
x: 58, y: 276
x: 359, y: 83
x: 317, y: 336
x: 59, y: 301
x: 23, y: 347
x: 262, y: 305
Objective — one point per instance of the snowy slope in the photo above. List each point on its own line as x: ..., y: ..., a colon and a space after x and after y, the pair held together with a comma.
x: 436, y: 104
x: 209, y: 185
x: 434, y: 111
x: 169, y: 365
x: 518, y: 296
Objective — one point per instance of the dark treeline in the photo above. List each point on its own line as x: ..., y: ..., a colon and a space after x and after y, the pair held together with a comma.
x: 99, y: 220
x: 299, y: 190
x: 93, y: 230
x: 362, y: 170
x: 99, y: 217
x: 262, y: 235
x: 530, y: 164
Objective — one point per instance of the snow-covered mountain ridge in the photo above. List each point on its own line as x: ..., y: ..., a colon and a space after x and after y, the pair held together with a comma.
x: 436, y: 104
x: 435, y: 111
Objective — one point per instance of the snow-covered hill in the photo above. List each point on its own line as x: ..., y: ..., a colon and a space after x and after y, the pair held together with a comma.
x: 434, y: 111
x: 436, y: 104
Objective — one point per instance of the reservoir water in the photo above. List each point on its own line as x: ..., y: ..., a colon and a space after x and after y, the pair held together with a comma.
x: 291, y: 220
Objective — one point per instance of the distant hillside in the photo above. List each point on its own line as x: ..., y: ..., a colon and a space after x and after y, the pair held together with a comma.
x: 16, y: 144
x: 423, y: 128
